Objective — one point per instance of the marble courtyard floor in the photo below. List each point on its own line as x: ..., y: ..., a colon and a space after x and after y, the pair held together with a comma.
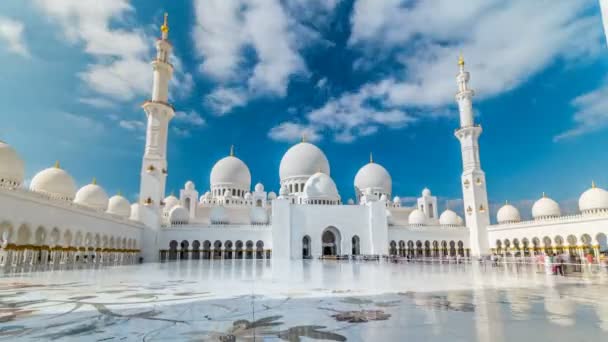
x: 259, y: 300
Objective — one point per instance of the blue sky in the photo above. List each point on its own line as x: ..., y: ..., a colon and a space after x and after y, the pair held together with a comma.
x: 353, y: 76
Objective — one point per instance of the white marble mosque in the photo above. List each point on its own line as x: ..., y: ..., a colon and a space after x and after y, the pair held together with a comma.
x: 53, y: 222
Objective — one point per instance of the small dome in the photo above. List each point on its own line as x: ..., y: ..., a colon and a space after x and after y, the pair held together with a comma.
x: 321, y: 186
x: 544, y: 208
x: 283, y: 191
x: 448, y: 218
x: 383, y: 198
x: 92, y: 196
x: 272, y: 195
x: 12, y: 170
x: 179, y: 215
x: 374, y: 176
x: 303, y: 160
x: 351, y: 201
x: 258, y: 215
x: 248, y: 196
x: 189, y: 185
x: 119, y: 206
x: 389, y: 218
x: 417, y: 218
x: 593, y: 199
x: 426, y: 192
x: 508, y: 214
x: 231, y: 171
x: 397, y: 200
x: 170, y: 202
x: 54, y: 182
x: 218, y: 215
x: 259, y: 187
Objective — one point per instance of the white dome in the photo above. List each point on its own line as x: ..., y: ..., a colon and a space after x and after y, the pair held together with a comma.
x: 397, y: 200
x: 426, y: 192
x: 259, y: 187
x: 231, y: 171
x: 189, y: 185
x: 170, y: 202
x: 417, y: 218
x: 374, y: 176
x: 507, y: 214
x: 179, y: 215
x: 11, y: 166
x: 545, y: 207
x: 283, y: 191
x: 321, y: 186
x: 448, y: 218
x: 218, y: 215
x: 389, y: 218
x: 593, y: 199
x: 303, y: 160
x: 272, y: 195
x: 92, y: 196
x: 351, y: 201
x: 248, y: 196
x: 119, y: 205
x: 54, y: 182
x: 258, y: 215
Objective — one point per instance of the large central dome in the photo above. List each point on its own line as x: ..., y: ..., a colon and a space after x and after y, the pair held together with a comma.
x: 231, y: 171
x: 303, y: 160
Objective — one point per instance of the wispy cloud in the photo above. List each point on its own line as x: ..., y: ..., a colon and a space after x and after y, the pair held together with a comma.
x: 591, y: 113
x: 132, y: 125
x: 12, y: 34
x: 190, y: 118
x: 290, y: 132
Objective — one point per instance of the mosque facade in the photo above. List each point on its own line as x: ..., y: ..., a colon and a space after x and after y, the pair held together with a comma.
x: 51, y: 221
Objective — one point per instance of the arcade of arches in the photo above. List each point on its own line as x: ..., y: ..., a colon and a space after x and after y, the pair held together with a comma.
x: 53, y: 247
x: 216, y: 250
x: 575, y: 246
x: 428, y: 249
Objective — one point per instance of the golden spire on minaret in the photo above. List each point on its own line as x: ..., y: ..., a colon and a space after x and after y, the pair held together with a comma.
x: 165, y: 27
x: 460, y: 60
x: 232, y: 150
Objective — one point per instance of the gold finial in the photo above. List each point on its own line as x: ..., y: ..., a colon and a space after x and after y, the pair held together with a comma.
x: 232, y: 150
x: 371, y: 158
x: 94, y: 181
x: 303, y: 138
x: 119, y: 192
x: 544, y: 195
x: 165, y: 27
x: 506, y: 202
x: 593, y: 184
x: 57, y: 166
x: 460, y: 60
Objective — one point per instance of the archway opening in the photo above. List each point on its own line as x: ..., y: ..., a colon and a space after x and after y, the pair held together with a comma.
x: 356, y: 243
x: 331, y: 242
x: 306, y: 247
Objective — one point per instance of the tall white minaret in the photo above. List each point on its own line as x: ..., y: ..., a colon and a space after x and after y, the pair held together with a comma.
x: 474, y: 193
x: 159, y: 113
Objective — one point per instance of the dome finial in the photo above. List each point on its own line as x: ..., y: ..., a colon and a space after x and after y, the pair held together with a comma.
x: 371, y: 158
x: 232, y: 150
x: 506, y: 202
x: 593, y: 184
x: 119, y: 192
x: 94, y: 181
x: 303, y: 138
x: 544, y: 195
x: 165, y: 27
x: 57, y: 165
x: 460, y: 60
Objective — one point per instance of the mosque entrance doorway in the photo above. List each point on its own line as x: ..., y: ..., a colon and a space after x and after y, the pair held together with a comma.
x: 331, y: 241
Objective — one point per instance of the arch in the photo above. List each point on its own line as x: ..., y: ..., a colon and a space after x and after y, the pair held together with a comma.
x: 586, y: 244
x: 172, y: 249
x: 217, y: 249
x: 24, y: 235
x: 88, y: 240
x: 525, y: 246
x: 452, y: 248
x: 55, y: 237
x: 259, y: 249
x: 6, y: 232
x: 40, y: 236
x: 331, y: 241
x: 228, y: 249
x: 460, y: 250
x: 207, y: 249
x: 196, y: 250
x: 249, y: 249
x: 602, y: 242
x: 356, y: 245
x: 306, y: 247
x: 559, y: 243
x: 78, y: 239
x: 238, y: 245
x: 392, y: 248
x: 183, y: 252
x: 111, y: 242
x: 104, y: 241
x: 97, y: 241
x: 418, y: 248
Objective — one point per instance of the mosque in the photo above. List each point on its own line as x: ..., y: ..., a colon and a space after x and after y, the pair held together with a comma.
x: 53, y: 222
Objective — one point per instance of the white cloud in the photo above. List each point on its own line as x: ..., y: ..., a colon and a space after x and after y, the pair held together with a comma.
x: 591, y: 113
x: 11, y: 32
x: 97, y: 102
x: 120, y: 68
x: 290, y: 132
x: 505, y: 43
x: 83, y: 124
x: 226, y: 30
x: 132, y: 125
x: 223, y: 100
x: 181, y: 132
x: 191, y: 118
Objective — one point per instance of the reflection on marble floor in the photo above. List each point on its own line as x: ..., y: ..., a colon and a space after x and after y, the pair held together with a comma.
x: 301, y: 301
